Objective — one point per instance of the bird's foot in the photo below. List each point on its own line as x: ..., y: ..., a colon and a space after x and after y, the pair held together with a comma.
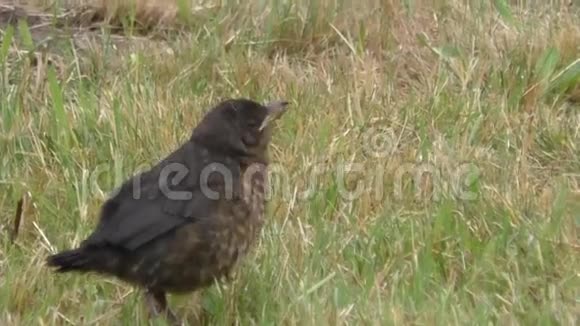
x: 157, y: 305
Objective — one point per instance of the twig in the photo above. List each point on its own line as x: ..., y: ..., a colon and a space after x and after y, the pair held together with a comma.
x: 17, y: 220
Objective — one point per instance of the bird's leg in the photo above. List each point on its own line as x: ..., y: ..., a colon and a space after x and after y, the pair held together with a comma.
x: 157, y: 304
x: 228, y: 276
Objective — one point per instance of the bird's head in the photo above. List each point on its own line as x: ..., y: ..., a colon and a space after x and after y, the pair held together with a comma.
x: 240, y: 127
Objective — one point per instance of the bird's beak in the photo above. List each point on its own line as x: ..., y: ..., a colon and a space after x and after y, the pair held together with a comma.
x: 275, y: 110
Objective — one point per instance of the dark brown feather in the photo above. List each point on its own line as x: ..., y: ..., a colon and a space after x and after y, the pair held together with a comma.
x: 166, y: 244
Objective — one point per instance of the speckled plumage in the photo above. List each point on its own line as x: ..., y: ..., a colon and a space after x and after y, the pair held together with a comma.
x: 150, y: 238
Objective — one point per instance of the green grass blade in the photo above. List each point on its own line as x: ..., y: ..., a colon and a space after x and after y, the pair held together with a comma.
x: 25, y: 35
x: 566, y: 79
x: 504, y: 10
x: 6, y: 43
x: 59, y: 123
x: 547, y: 64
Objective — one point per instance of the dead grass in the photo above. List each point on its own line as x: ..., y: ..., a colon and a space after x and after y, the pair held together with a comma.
x: 450, y: 86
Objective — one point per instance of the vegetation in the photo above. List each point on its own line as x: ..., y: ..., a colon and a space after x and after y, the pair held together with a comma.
x: 463, y: 118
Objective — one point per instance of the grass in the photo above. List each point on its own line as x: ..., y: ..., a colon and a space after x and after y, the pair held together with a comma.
x: 462, y: 118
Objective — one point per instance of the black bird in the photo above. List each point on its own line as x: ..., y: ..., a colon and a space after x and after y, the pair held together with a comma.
x: 187, y: 221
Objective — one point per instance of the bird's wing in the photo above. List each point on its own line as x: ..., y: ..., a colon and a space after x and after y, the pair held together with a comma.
x: 129, y: 222
x: 133, y: 223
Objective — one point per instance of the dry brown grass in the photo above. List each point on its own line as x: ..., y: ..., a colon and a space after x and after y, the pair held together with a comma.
x: 147, y: 13
x: 451, y: 83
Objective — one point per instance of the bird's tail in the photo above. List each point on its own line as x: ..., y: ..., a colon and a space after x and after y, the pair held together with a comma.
x: 69, y: 260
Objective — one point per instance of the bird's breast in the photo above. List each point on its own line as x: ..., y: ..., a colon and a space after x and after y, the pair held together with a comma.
x: 199, y: 253
x: 250, y: 215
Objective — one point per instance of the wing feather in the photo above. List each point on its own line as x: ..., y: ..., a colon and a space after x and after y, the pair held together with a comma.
x: 130, y: 222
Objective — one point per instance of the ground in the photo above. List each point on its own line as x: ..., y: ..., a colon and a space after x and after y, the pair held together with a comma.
x: 461, y: 124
